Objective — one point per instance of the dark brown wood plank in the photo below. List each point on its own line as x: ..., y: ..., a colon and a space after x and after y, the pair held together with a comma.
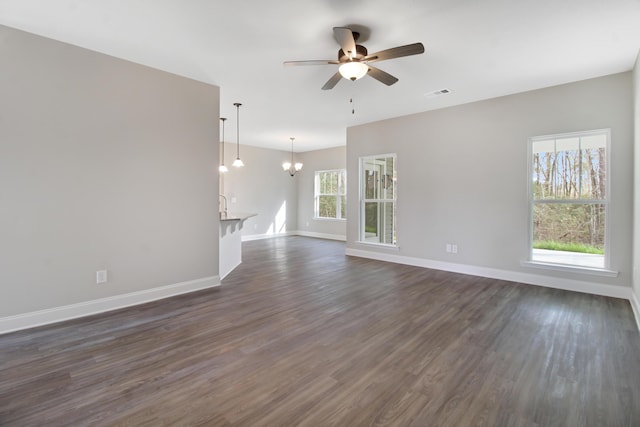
x: 300, y: 334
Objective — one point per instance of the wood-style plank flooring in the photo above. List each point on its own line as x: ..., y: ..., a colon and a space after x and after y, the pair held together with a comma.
x: 302, y: 335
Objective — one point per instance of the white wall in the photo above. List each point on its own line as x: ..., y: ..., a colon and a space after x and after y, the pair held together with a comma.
x: 104, y: 164
x: 261, y: 187
x: 328, y: 159
x: 283, y: 204
x: 462, y: 175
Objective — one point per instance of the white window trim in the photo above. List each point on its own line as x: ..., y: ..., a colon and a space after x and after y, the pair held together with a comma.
x: 569, y: 268
x: 362, y: 201
x: 605, y: 271
x: 316, y: 203
x: 379, y: 245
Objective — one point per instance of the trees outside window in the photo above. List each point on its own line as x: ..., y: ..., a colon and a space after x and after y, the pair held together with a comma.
x: 378, y: 184
x: 330, y: 200
x: 569, y: 198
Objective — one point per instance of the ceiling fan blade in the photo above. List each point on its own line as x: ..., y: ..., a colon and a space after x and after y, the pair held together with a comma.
x: 396, y: 52
x: 381, y: 76
x: 332, y: 81
x: 311, y: 62
x: 345, y: 39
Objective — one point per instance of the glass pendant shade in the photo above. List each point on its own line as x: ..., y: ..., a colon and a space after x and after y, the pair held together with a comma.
x: 353, y: 70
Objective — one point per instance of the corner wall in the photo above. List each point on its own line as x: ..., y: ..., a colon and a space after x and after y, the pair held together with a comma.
x: 104, y: 165
x: 328, y: 159
x: 263, y: 188
x: 283, y: 204
x: 636, y: 191
x: 462, y: 179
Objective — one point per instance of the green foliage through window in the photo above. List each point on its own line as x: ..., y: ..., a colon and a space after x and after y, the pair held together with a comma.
x: 569, y: 192
x: 330, y: 199
x: 378, y: 183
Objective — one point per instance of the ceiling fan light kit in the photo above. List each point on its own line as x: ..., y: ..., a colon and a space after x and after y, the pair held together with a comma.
x: 353, y: 70
x: 354, y: 59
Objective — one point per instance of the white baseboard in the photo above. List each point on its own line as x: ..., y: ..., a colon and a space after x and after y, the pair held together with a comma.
x: 231, y: 268
x: 494, y: 273
x: 339, y: 237
x: 635, y: 306
x: 58, y: 314
x: 250, y: 237
x: 72, y: 311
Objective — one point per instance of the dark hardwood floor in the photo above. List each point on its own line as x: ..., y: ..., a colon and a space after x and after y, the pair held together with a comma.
x: 299, y: 334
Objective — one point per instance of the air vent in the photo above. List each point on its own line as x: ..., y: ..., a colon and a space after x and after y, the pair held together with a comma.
x: 436, y: 93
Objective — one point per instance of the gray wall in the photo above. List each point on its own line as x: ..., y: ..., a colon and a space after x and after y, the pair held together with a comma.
x: 636, y: 180
x: 261, y: 187
x: 329, y: 159
x: 462, y: 173
x: 104, y: 164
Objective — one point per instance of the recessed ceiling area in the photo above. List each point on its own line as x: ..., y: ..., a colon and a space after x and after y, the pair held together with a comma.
x: 477, y: 50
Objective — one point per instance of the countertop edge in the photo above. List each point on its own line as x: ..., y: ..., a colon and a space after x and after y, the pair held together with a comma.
x: 236, y: 216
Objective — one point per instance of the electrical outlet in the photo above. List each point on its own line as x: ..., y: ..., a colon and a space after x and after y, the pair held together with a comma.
x: 448, y: 247
x: 101, y: 276
x: 454, y: 249
x: 233, y: 200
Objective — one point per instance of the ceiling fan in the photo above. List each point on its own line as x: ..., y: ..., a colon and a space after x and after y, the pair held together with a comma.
x: 354, y: 59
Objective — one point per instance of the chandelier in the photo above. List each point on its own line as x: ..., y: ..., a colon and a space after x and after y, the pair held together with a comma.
x: 291, y: 167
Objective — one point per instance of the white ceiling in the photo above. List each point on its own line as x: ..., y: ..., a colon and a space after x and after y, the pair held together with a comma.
x: 476, y: 49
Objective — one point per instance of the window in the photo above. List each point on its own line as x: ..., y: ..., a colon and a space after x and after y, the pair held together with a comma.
x: 570, y: 198
x: 330, y: 199
x: 378, y: 183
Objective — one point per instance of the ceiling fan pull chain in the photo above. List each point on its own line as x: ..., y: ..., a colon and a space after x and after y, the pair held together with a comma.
x: 353, y: 110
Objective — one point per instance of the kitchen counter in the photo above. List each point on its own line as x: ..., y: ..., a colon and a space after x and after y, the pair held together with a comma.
x: 235, y: 216
x: 230, y: 244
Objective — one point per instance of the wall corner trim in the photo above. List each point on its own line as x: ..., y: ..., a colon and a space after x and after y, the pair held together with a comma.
x: 635, y: 306
x: 87, y: 308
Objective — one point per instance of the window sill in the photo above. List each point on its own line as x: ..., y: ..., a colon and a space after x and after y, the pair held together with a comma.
x: 379, y: 245
x: 602, y: 272
x: 319, y: 218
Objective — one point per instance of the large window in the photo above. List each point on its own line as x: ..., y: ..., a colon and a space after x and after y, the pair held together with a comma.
x: 378, y: 185
x: 569, y: 199
x: 330, y: 199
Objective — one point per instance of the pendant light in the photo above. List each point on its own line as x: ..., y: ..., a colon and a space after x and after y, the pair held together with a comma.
x: 290, y: 166
x: 222, y: 168
x: 237, y: 162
